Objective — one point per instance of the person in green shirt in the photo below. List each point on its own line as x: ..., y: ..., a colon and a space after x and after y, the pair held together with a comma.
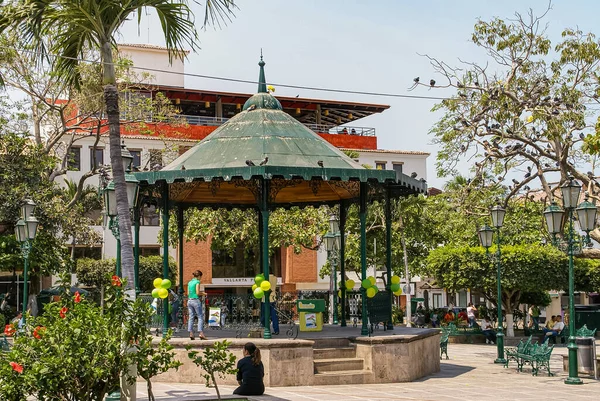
x: 195, y: 306
x: 534, y: 313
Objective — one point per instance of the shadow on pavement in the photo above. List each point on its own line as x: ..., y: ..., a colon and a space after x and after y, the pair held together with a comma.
x: 187, y: 395
x: 448, y: 370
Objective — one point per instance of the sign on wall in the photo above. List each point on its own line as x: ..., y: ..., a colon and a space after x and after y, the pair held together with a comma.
x: 237, y: 281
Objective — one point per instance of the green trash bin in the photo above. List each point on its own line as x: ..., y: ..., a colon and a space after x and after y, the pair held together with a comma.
x: 414, y: 302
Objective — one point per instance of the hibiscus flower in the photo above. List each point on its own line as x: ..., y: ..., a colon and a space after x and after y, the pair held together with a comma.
x: 116, y: 281
x: 37, y: 332
x: 63, y: 312
x: 9, y: 330
x: 77, y: 297
x: 17, y: 367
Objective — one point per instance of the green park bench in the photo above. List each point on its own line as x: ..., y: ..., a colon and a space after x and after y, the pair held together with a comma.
x: 513, y: 352
x: 454, y: 331
x: 4, y: 344
x: 444, y: 343
x: 538, y: 356
x: 564, y: 334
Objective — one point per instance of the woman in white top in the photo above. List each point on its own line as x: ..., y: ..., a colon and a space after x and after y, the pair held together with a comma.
x: 471, y: 314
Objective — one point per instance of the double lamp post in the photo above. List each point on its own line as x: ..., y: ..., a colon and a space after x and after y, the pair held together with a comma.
x: 586, y: 214
x: 486, y: 234
x: 25, y: 231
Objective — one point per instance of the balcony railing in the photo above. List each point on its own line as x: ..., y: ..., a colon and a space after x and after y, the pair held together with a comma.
x: 322, y: 128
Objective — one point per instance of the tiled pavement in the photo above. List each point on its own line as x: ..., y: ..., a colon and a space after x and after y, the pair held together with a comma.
x: 469, y: 375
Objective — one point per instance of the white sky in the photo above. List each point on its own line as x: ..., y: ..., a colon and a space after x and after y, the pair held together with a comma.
x: 357, y: 45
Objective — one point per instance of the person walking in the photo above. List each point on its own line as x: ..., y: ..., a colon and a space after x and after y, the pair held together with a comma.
x: 534, y: 314
x: 195, y: 305
x: 250, y: 372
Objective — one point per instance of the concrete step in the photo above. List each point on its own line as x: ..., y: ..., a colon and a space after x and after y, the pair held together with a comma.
x: 344, y: 364
x: 341, y: 377
x: 334, y: 353
x: 331, y: 342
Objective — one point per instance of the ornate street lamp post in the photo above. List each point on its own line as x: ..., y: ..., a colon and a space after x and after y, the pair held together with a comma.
x: 586, y: 214
x: 25, y: 231
x: 332, y: 244
x: 485, y: 238
x: 110, y: 201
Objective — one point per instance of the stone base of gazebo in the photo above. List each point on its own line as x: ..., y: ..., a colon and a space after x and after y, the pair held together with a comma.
x: 406, y: 355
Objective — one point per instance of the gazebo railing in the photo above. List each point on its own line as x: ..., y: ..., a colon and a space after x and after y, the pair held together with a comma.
x: 241, y: 312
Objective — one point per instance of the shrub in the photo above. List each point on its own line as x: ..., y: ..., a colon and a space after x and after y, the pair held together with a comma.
x: 216, y: 361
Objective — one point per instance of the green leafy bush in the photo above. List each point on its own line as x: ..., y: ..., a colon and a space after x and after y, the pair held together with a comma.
x: 216, y: 361
x: 78, y: 351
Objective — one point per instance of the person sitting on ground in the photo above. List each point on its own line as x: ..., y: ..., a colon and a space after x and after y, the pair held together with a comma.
x: 250, y: 372
x: 488, y: 331
x: 550, y: 322
x: 556, y: 329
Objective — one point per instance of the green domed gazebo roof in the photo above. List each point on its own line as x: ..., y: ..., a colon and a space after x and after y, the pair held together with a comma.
x: 263, y: 141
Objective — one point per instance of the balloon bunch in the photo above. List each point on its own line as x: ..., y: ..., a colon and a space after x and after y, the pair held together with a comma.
x: 161, y: 287
x: 349, y: 286
x: 261, y: 285
x: 395, y: 287
x: 370, y: 285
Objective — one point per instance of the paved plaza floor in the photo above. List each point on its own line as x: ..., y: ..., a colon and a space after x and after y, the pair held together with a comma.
x: 469, y: 375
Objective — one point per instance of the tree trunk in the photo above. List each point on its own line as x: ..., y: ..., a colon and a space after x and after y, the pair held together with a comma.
x: 111, y: 98
x: 510, y: 331
x: 212, y: 376
x: 150, y: 393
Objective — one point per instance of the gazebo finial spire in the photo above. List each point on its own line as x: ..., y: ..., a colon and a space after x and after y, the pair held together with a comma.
x: 262, y: 82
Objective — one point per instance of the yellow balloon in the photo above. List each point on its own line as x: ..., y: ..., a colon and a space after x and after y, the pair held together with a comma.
x: 395, y: 280
x: 163, y: 293
x: 398, y: 293
x: 254, y: 286
x: 157, y: 282
x: 371, y: 292
x: 339, y: 293
x: 265, y: 285
x: 350, y: 284
x: 372, y: 280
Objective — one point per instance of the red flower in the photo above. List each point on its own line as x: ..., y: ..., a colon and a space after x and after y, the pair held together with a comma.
x: 17, y: 367
x: 63, y: 312
x: 9, y: 330
x: 38, y: 331
x: 77, y: 297
x: 116, y: 281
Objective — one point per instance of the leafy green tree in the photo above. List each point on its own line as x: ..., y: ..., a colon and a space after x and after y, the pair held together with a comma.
x: 524, y: 116
x: 526, y: 269
x: 216, y: 361
x: 155, y: 359
x: 72, y: 30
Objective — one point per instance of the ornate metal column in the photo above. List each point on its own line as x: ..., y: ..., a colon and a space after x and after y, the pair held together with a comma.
x: 180, y: 242
x: 165, y: 223
x: 264, y: 218
x: 136, y: 248
x: 363, y: 254
x: 388, y: 252
x: 343, y: 261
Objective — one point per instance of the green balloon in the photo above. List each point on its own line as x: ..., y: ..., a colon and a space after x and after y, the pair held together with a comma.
x: 155, y: 293
x: 258, y: 293
x: 366, y: 283
x: 375, y: 288
x: 395, y: 287
x: 259, y: 279
x: 166, y: 284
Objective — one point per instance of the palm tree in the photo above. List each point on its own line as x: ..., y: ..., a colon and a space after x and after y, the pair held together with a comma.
x: 78, y: 28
